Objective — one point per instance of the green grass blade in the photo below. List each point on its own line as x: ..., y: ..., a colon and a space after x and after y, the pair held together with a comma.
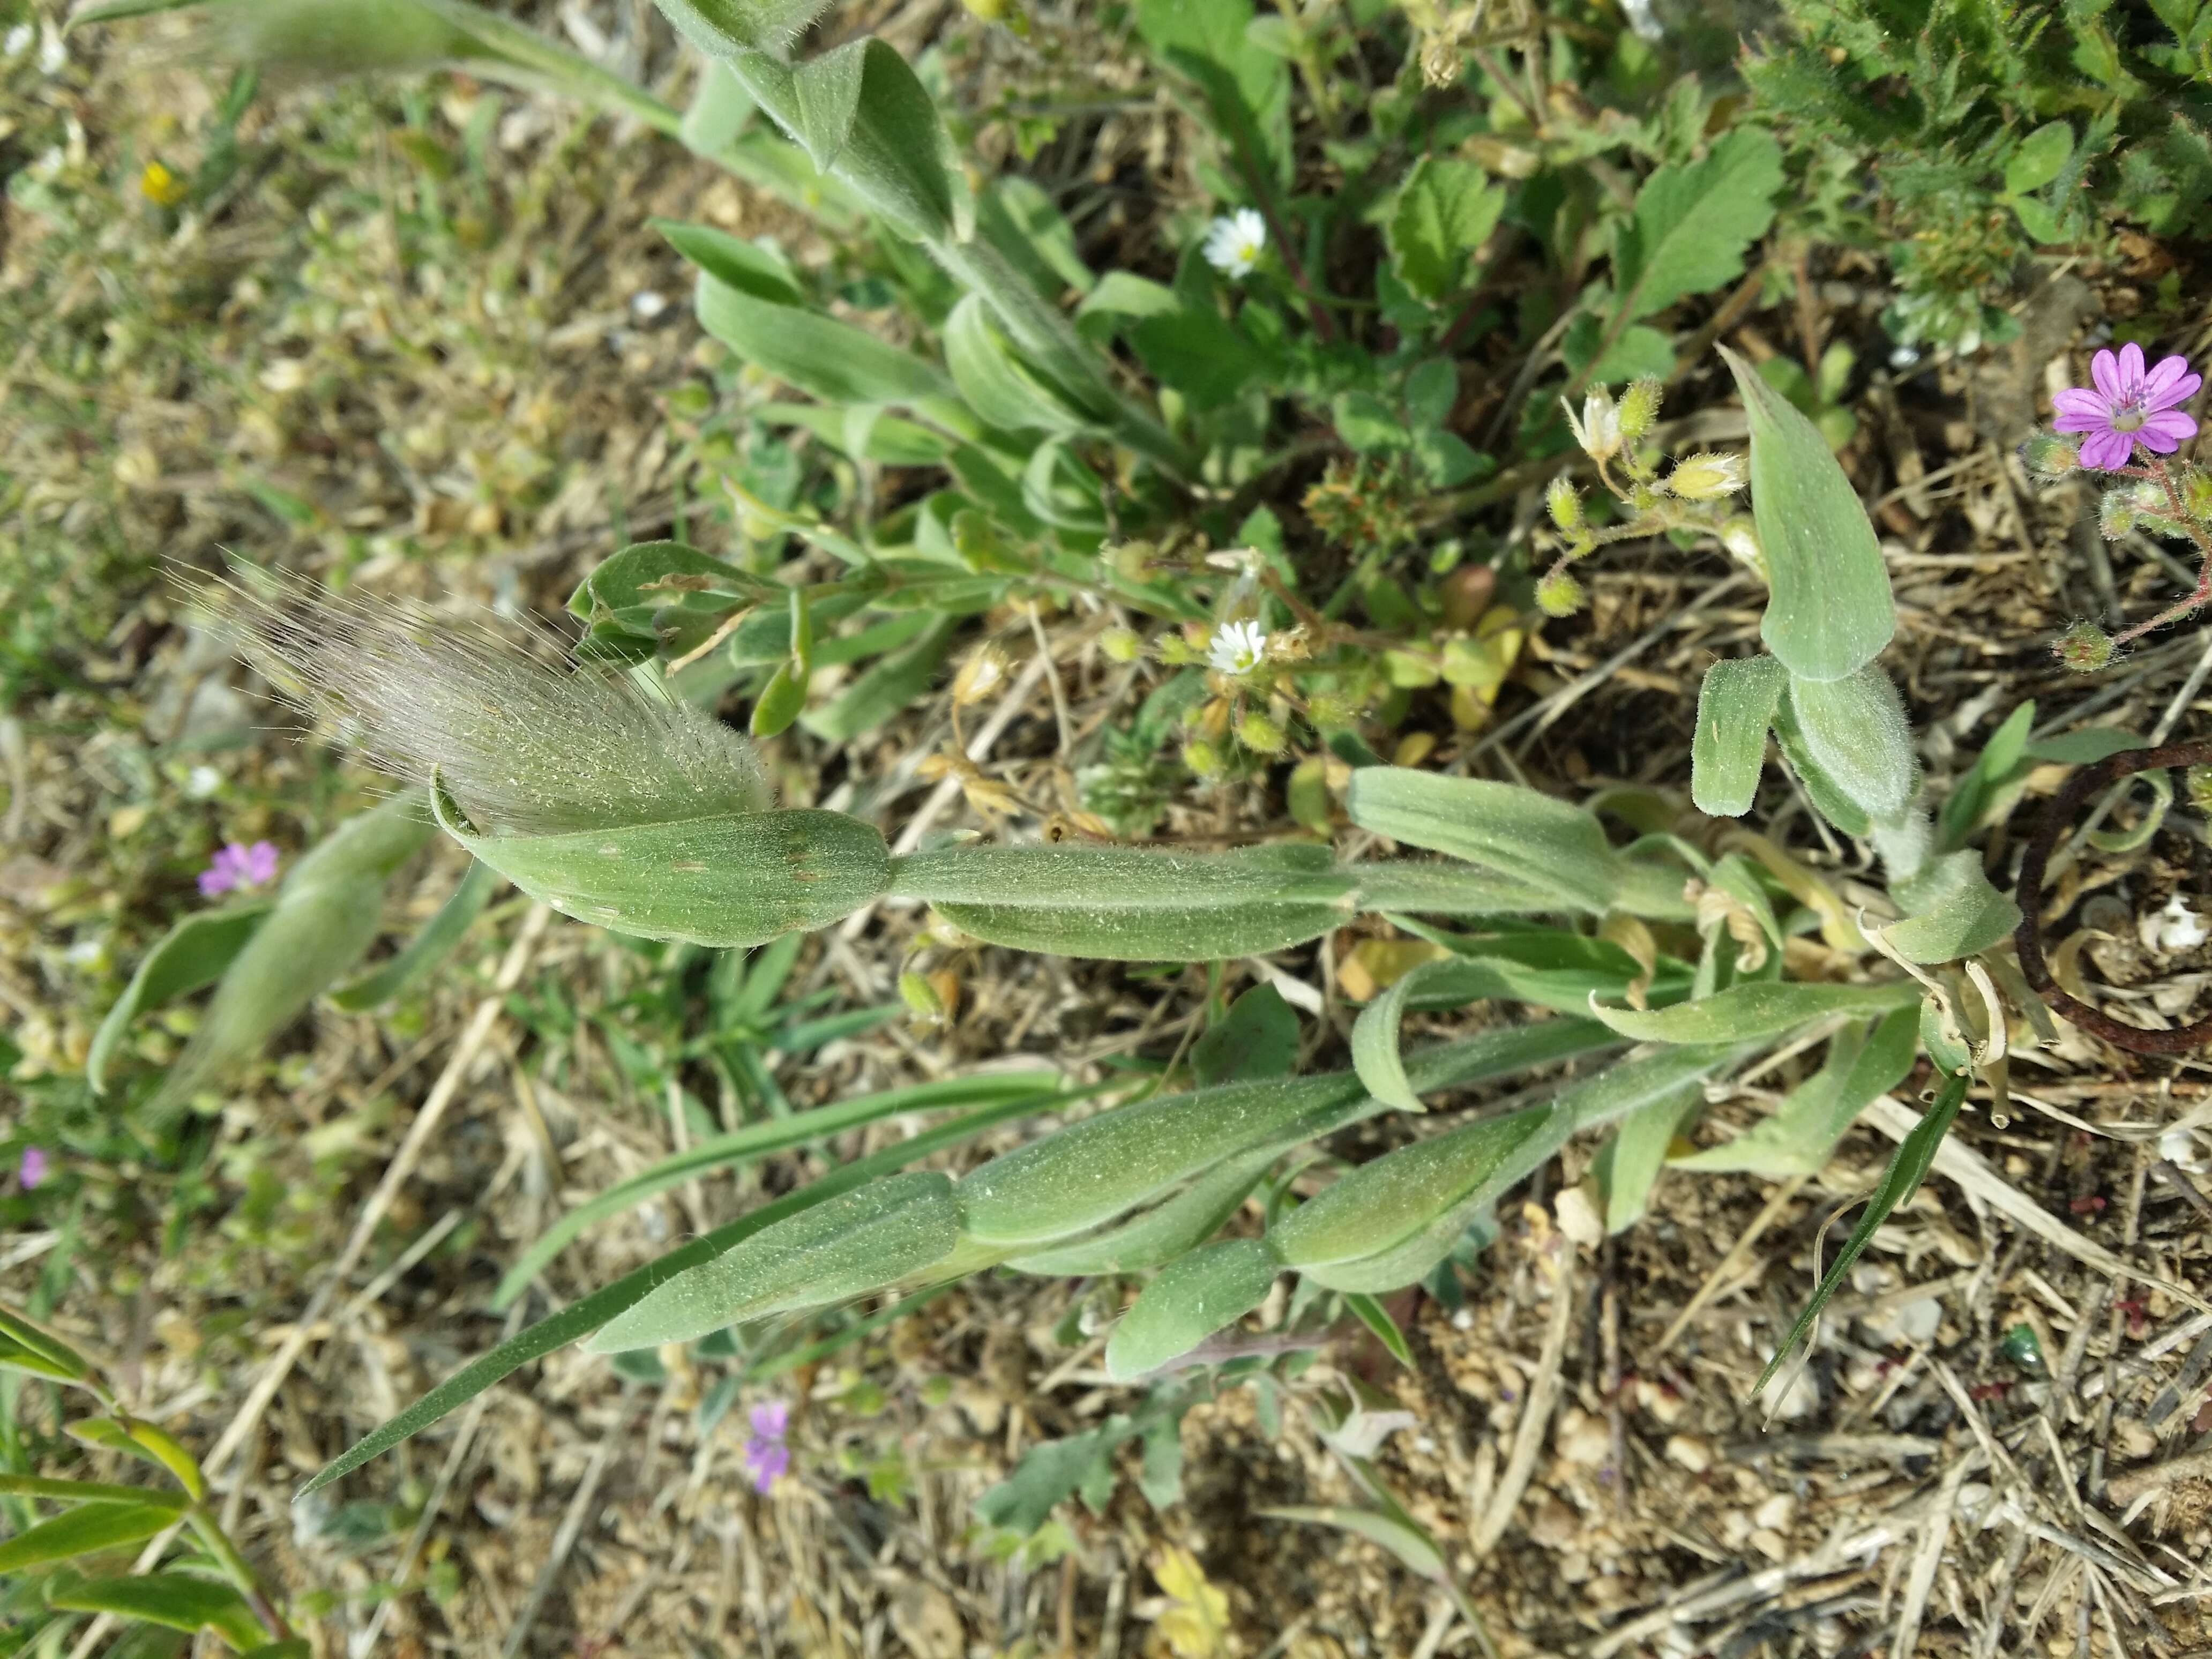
x: 757, y: 1140
x: 1907, y: 1166
x: 582, y: 1317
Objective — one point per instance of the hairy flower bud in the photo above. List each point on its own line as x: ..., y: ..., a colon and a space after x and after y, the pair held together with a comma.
x: 1639, y: 407
x: 1202, y: 757
x: 2117, y: 512
x: 1559, y: 594
x: 1565, y: 503
x: 1261, y: 735
x: 2085, y: 648
x: 1740, y: 535
x: 2048, y: 455
x: 1708, y: 475
x: 2196, y: 493
x: 1121, y: 644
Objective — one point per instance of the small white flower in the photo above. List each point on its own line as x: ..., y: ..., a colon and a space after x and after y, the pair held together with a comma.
x: 18, y: 41
x: 86, y: 953
x: 1237, y: 647
x: 648, y: 304
x: 53, y: 53
x: 1234, y: 242
x: 1598, y: 432
x: 201, y: 781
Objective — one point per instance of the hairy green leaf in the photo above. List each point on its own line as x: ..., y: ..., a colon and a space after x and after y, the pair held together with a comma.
x: 1756, y: 1009
x: 175, y: 1599
x: 1189, y: 1301
x: 193, y: 953
x: 1830, y: 611
x: 589, y: 1312
x: 1954, y: 912
x: 427, y: 949
x: 740, y: 878
x: 1526, y: 836
x: 1132, y: 904
x: 1799, y: 1136
x: 1854, y: 731
x: 845, y: 1246
x: 1736, y: 706
x: 1160, y: 1234
x: 1627, y: 1165
x: 1386, y: 1200
x: 835, y: 362
x: 994, y: 382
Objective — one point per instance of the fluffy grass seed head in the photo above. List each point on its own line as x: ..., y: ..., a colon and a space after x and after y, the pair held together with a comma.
x: 525, y: 744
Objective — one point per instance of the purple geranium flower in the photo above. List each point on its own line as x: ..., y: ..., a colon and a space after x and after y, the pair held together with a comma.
x: 33, y: 1169
x: 238, y: 867
x: 766, y: 1455
x: 2129, y: 407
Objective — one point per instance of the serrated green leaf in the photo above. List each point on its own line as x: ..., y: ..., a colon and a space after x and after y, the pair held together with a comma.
x: 1736, y: 706
x: 1854, y: 731
x: 1954, y: 912
x: 1367, y: 424
x: 1756, y: 1009
x: 1431, y: 390
x: 1189, y: 1301
x: 193, y: 953
x: 1800, y: 1135
x: 1830, y: 611
x: 83, y: 1531
x: 2040, y: 158
x: 846, y: 1246
x: 1444, y: 211
x: 1132, y: 904
x: 1908, y: 1165
x: 1693, y: 221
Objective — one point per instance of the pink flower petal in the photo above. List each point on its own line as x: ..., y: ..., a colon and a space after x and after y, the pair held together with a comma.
x: 214, y: 882
x: 2179, y: 390
x: 2163, y: 431
x: 2082, y: 404
x: 2105, y: 370
x: 2164, y: 371
x: 2106, y: 452
x: 260, y: 862
x: 2131, y: 367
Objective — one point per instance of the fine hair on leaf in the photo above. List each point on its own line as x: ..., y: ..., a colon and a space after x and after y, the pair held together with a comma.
x: 526, y: 744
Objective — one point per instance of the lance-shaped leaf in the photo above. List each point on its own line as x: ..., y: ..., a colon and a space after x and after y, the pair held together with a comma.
x: 147, y: 1442
x: 862, y: 115
x: 1736, y: 706
x: 326, y: 915
x: 1955, y: 911
x: 427, y: 949
x: 1388, y: 1200
x: 1756, y: 1009
x: 1089, y: 1172
x: 1190, y: 1300
x: 860, y: 1242
x: 722, y: 29
x: 25, y: 1347
x: 755, y: 1141
x: 588, y: 1312
x: 756, y: 268
x: 1627, y: 1165
x: 1132, y: 904
x: 1442, y: 887
x: 1830, y: 612
x: 1854, y: 731
x: 1375, y: 1037
x: 738, y: 879
x: 90, y: 1492
x: 1160, y: 1234
x: 1528, y: 837
x: 835, y: 362
x: 1801, y: 1135
x: 82, y: 1531
x: 1612, y: 1094
x: 193, y: 953
x: 1908, y: 1166
x: 177, y: 1600
x: 995, y: 383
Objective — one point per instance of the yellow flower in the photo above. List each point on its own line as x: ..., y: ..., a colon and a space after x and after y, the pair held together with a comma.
x: 160, y: 186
